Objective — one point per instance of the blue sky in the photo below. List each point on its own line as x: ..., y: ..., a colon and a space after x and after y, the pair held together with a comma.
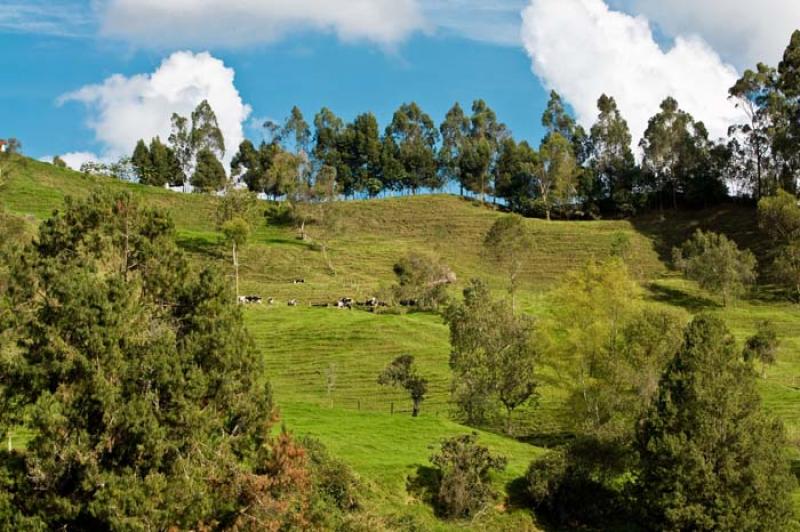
x: 315, y: 53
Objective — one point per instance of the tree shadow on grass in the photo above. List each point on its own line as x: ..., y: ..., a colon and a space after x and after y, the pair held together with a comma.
x: 548, y: 440
x: 200, y: 245
x: 424, y: 484
x: 679, y: 298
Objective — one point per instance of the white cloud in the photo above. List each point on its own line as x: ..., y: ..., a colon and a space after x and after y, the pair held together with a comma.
x: 211, y: 23
x: 495, y: 22
x: 582, y: 49
x: 743, y: 31
x: 76, y: 159
x: 126, y: 109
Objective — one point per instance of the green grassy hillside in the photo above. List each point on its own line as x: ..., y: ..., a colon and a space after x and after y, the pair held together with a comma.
x: 368, y: 425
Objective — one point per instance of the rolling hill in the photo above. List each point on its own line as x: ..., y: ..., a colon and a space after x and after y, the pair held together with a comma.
x: 360, y: 421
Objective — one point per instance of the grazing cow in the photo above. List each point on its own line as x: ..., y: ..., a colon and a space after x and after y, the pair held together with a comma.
x: 345, y: 302
x: 371, y: 302
x: 242, y: 300
x: 253, y: 299
x: 298, y: 281
x: 270, y: 300
x: 292, y: 303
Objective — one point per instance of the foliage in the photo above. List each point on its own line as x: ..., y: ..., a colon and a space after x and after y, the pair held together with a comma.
x: 402, y: 372
x: 558, y: 173
x: 584, y: 341
x: 717, y: 264
x: 422, y: 281
x: 59, y: 162
x: 136, y: 379
x: 508, y: 244
x: 464, y: 476
x: 209, y: 174
x: 762, y: 346
x: 779, y: 218
x: 492, y: 356
x: 710, y: 459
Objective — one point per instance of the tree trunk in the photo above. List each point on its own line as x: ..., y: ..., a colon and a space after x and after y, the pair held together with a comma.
x: 415, y: 408
x: 236, y: 271
x: 509, y: 426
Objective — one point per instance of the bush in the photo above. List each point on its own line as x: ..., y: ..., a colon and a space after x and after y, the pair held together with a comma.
x: 464, y: 484
x: 334, y: 481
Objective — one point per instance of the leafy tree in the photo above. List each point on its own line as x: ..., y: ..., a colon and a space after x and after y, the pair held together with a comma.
x: 236, y: 232
x: 555, y: 118
x: 422, y: 280
x: 58, y: 162
x: 142, y: 162
x: 297, y: 128
x: 454, y: 130
x: 481, y: 149
x: 612, y: 159
x: 413, y: 137
x: 492, y: 356
x: 464, y: 477
x: 328, y: 129
x: 754, y: 94
x: 583, y: 341
x: 717, y: 264
x: 516, y: 178
x: 206, y: 134
x: 165, y: 168
x: 360, y: 148
x: 779, y: 217
x: 402, y: 372
x: 787, y: 267
x: 139, y: 385
x: 180, y: 142
x: 763, y: 346
x: 209, y: 174
x: 710, y: 459
x: 508, y: 243
x: 558, y: 173
x: 252, y: 165
x: 677, y: 156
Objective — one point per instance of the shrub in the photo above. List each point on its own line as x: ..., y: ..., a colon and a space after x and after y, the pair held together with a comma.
x: 464, y: 476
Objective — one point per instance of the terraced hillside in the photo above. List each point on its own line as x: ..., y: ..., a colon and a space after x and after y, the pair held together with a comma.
x: 323, y: 362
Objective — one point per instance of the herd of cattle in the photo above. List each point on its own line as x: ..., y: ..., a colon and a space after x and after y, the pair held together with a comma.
x: 343, y: 303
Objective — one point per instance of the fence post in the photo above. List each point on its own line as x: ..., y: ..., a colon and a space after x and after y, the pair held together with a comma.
x: 392, y: 408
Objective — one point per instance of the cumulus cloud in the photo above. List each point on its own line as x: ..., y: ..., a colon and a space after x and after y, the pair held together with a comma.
x: 76, y: 159
x: 581, y: 48
x: 123, y: 109
x: 243, y: 22
x: 744, y: 32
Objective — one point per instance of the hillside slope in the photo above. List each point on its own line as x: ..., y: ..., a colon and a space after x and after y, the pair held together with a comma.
x: 362, y: 422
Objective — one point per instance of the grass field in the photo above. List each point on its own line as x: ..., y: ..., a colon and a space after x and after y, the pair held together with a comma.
x: 365, y: 424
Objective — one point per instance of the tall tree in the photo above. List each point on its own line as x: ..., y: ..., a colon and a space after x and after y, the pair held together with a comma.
x: 206, y: 134
x: 454, y: 130
x: 480, y: 152
x: 142, y: 162
x: 298, y: 130
x: 710, y: 458
x: 779, y: 218
x: 236, y: 232
x: 612, y: 159
x: 558, y: 173
x: 360, y: 149
x: 508, y: 244
x: 676, y: 153
x: 180, y: 142
x: 493, y: 356
x: 516, y: 175
x: 413, y: 136
x: 135, y: 378
x: 754, y: 94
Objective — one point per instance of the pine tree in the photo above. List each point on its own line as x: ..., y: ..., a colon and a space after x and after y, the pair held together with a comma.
x: 710, y: 458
